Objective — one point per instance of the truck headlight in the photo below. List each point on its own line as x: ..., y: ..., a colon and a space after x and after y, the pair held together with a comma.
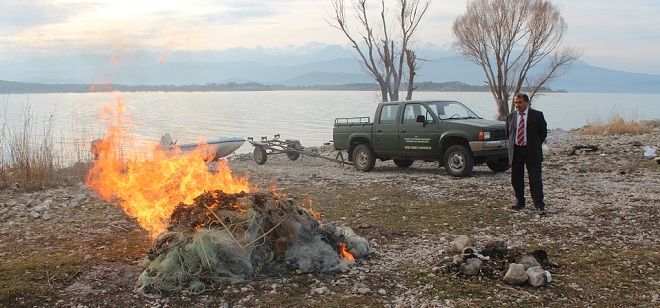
x: 484, y: 135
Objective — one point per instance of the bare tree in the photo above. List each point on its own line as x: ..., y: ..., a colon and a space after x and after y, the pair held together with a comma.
x: 381, y: 52
x: 516, y: 42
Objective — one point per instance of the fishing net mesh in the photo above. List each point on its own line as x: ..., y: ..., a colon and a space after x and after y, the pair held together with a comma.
x: 227, y: 238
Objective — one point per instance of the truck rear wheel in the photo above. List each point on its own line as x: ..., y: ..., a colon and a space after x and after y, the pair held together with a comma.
x: 364, y: 158
x: 259, y: 155
x: 499, y: 164
x: 403, y: 163
x: 458, y: 160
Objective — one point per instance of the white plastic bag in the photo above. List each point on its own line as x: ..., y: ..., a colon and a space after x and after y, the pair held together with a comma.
x: 649, y: 151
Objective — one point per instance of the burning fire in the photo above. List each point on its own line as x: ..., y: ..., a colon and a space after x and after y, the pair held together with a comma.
x: 150, y: 189
x: 344, y: 253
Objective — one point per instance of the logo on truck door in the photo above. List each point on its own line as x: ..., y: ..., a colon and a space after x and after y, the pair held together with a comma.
x: 417, y: 143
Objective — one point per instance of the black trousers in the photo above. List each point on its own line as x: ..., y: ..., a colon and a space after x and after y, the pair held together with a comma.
x: 520, y: 160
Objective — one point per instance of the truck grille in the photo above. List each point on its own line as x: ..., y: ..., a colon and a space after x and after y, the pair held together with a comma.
x: 498, y: 134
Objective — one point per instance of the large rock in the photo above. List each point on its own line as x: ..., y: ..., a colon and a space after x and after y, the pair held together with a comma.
x: 536, y: 276
x: 528, y: 261
x: 516, y: 274
x: 471, y: 266
x: 460, y: 243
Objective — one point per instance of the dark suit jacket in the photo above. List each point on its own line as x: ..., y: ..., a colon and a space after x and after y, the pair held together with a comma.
x: 537, y: 130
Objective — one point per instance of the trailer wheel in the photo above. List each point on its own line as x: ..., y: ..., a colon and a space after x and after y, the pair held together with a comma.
x: 458, y: 160
x: 403, y: 163
x: 293, y: 155
x: 364, y: 158
x: 499, y: 165
x: 260, y: 155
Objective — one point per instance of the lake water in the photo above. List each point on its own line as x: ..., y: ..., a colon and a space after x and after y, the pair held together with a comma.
x: 304, y: 115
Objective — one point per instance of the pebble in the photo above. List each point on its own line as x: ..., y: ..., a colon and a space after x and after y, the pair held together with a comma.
x: 364, y: 290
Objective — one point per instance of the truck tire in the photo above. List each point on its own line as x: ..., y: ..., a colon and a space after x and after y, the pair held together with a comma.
x: 260, y: 155
x: 403, y: 163
x: 458, y: 160
x: 364, y: 158
x: 499, y: 164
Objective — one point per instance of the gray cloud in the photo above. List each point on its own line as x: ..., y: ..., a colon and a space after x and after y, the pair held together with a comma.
x: 237, y: 15
x: 18, y: 14
x: 236, y: 11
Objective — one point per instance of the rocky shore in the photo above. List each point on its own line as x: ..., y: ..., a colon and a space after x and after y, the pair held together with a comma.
x: 65, y: 247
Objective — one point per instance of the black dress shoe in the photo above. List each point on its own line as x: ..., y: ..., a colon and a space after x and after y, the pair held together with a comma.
x: 518, y: 207
x: 542, y: 212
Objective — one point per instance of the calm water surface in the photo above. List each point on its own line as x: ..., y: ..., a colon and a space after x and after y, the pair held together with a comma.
x: 304, y: 115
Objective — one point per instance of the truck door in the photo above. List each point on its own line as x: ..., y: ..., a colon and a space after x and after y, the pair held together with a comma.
x: 385, y: 129
x: 418, y: 138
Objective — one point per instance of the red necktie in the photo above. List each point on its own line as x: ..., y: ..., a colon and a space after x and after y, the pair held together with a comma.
x: 520, y: 137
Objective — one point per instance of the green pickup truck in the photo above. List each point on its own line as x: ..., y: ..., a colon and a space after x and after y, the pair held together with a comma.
x: 442, y: 130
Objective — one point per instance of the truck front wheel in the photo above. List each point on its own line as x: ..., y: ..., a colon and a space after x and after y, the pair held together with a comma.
x: 364, y: 158
x: 458, y: 160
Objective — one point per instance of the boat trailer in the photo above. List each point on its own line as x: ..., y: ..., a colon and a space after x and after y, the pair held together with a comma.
x: 291, y: 147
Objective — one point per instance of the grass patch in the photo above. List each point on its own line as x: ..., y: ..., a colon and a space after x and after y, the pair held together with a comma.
x: 293, y: 294
x: 36, y: 278
x: 615, y: 125
x: 393, y: 208
x: 653, y: 165
x: 617, y: 277
x: 609, y: 277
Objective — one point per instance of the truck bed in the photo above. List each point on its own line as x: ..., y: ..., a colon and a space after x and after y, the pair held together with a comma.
x: 346, y: 127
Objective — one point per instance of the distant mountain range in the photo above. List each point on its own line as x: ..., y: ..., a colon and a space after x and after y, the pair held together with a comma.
x: 13, y: 87
x: 311, y: 65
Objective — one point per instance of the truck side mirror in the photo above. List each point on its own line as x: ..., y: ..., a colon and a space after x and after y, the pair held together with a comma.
x: 421, y: 119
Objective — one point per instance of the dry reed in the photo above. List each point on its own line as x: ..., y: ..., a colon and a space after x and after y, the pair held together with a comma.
x: 28, y: 158
x: 616, y: 125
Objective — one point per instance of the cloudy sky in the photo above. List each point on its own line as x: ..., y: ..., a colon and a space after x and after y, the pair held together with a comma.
x: 612, y: 35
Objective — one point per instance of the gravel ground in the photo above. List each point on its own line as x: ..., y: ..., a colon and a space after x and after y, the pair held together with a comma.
x: 65, y: 247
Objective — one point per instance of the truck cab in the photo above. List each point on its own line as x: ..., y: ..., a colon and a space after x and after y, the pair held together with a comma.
x: 435, y: 130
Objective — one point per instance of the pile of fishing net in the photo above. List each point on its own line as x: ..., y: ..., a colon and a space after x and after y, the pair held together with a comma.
x: 226, y: 238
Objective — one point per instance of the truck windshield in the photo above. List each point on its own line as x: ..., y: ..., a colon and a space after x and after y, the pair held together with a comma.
x: 452, y: 110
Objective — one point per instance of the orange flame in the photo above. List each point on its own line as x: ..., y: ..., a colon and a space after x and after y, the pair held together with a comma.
x: 307, y: 204
x: 150, y: 190
x: 344, y: 253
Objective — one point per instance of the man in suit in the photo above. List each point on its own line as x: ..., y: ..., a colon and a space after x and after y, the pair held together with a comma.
x: 526, y: 129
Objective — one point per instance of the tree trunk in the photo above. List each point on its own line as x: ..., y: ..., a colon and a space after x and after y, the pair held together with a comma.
x: 383, y: 92
x: 502, y: 109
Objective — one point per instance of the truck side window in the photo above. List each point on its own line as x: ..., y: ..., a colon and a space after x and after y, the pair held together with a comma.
x: 411, y: 112
x: 388, y: 114
x: 429, y: 117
